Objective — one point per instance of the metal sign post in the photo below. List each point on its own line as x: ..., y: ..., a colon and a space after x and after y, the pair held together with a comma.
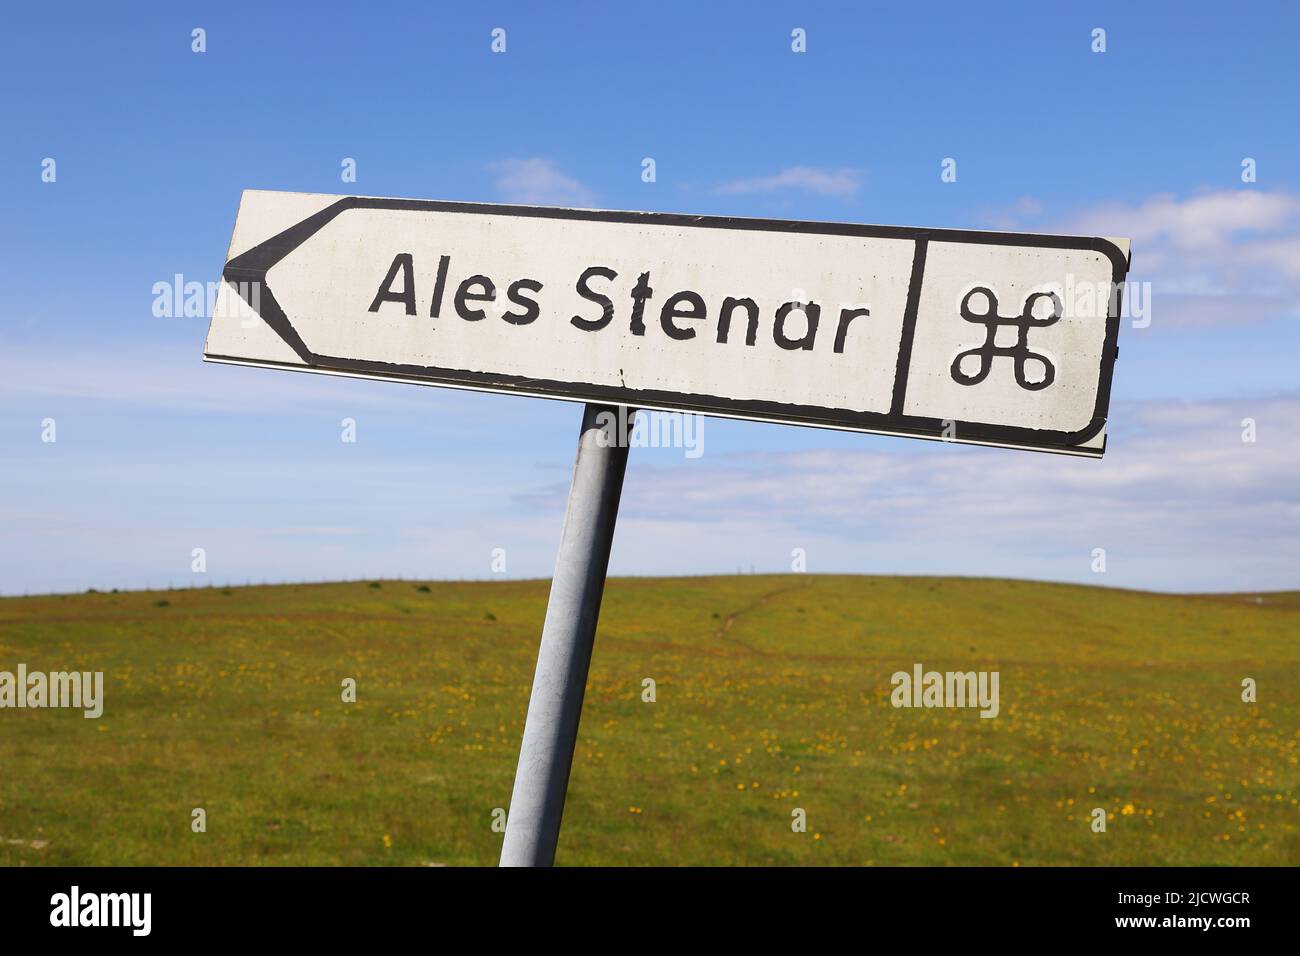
x: 555, y: 707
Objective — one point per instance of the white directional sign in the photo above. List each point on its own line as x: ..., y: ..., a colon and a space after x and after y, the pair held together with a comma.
x: 978, y: 337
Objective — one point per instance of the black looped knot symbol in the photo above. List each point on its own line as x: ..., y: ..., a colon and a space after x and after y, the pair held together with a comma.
x: 1019, y: 352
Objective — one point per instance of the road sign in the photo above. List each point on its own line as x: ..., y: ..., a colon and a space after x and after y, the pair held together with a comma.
x: 975, y: 337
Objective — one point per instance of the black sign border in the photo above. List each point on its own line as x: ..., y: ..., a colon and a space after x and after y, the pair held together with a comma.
x: 249, y: 270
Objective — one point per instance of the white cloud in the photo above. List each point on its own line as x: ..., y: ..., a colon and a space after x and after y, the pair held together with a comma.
x: 1208, y: 222
x: 841, y: 182
x: 1179, y: 502
x: 539, y: 181
x: 1218, y: 257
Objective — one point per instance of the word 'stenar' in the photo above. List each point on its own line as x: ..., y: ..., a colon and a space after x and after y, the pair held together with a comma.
x: 867, y: 328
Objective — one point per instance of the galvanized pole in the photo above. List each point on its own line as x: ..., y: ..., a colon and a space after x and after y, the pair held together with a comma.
x: 551, y: 727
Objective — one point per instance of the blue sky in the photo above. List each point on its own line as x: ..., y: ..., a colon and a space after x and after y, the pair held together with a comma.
x: 157, y: 453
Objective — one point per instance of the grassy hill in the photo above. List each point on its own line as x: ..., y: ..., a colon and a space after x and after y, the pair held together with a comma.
x: 773, y: 693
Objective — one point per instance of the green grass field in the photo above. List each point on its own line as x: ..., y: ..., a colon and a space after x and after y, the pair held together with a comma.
x: 773, y: 692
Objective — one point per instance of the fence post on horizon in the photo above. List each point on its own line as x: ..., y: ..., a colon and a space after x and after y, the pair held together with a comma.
x: 568, y: 635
